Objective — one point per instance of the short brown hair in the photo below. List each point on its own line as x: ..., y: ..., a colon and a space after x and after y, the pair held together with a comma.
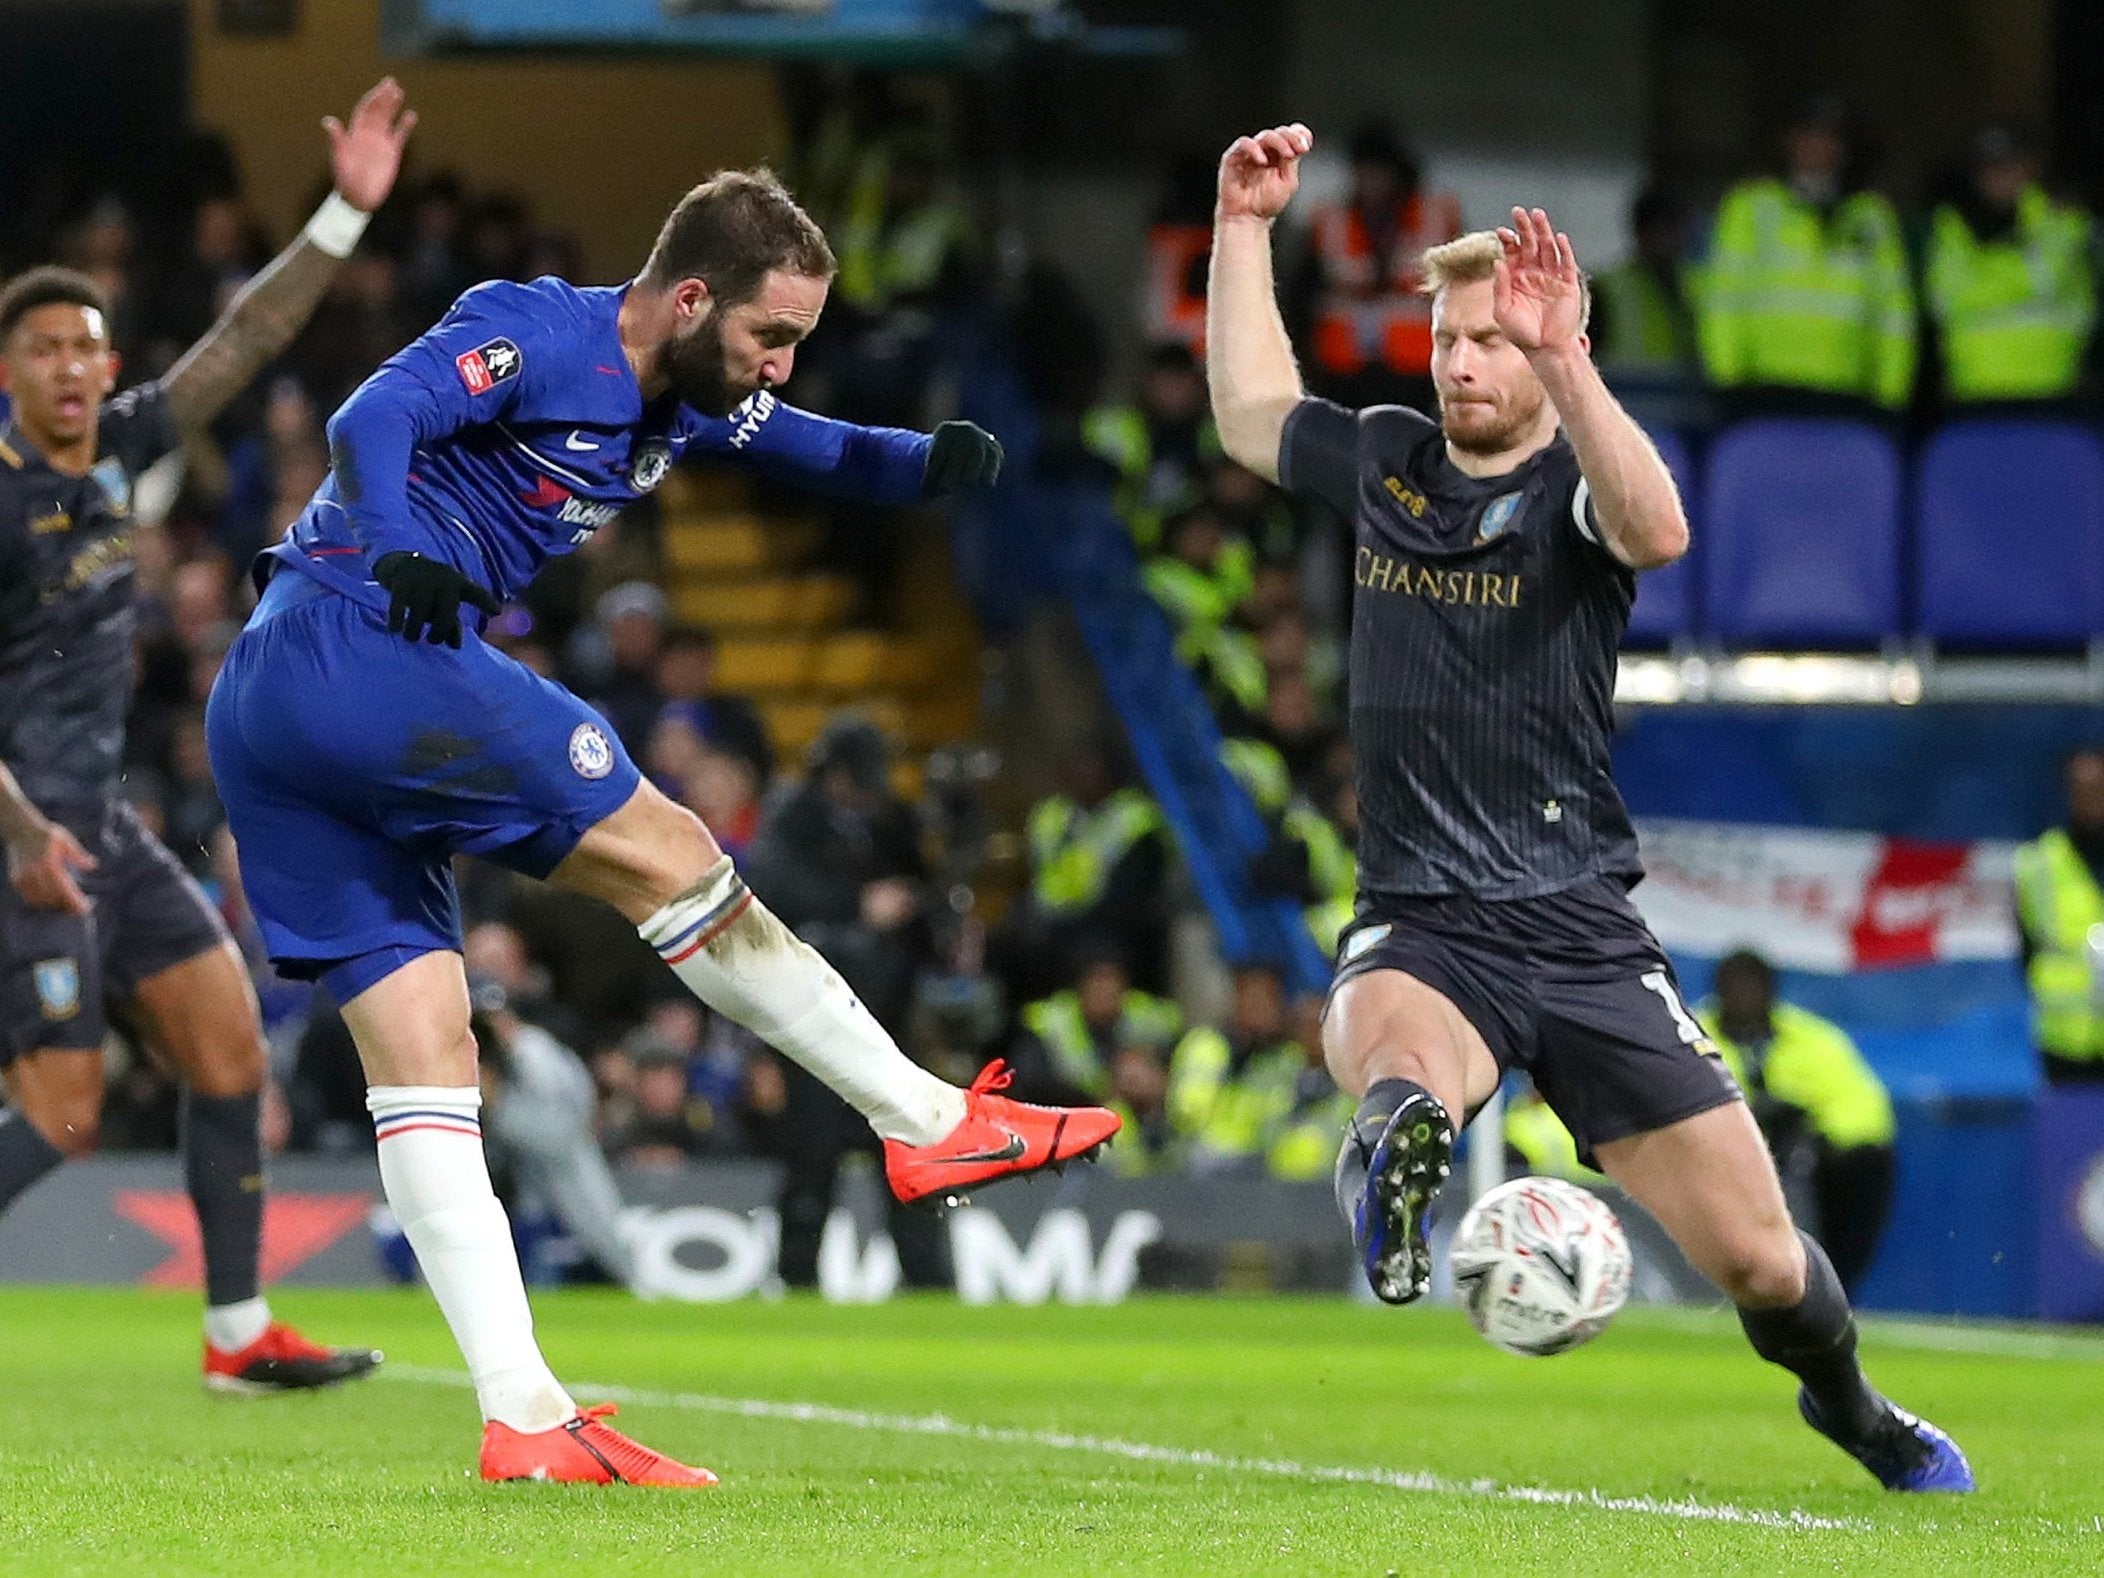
x: 48, y: 286
x: 1467, y: 259
x: 732, y: 231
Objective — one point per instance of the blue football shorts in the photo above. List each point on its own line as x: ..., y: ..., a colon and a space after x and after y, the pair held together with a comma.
x: 354, y: 764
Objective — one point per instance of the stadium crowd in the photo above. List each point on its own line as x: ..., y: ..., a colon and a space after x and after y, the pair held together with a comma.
x: 1810, y: 293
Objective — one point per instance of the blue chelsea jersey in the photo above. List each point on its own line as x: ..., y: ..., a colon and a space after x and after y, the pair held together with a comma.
x: 514, y: 429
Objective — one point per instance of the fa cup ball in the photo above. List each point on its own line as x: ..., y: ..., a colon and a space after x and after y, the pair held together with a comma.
x: 1541, y: 1266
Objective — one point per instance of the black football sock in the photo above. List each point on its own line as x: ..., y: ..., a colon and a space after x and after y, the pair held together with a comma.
x: 223, y: 1164
x: 25, y: 1156
x: 1363, y: 1133
x: 1815, y: 1340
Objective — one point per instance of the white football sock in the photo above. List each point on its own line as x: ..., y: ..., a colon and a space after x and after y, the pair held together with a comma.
x: 437, y: 1182
x: 736, y: 956
x: 232, y: 1327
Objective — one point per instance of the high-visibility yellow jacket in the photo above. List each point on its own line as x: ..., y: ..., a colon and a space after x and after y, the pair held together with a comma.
x: 1649, y: 328
x: 2063, y: 915
x: 1547, y: 1147
x: 1119, y: 434
x: 1080, y: 1054
x: 2014, y: 314
x: 1796, y: 298
x: 1811, y: 1064
x: 1073, y: 851
x: 1275, y: 1109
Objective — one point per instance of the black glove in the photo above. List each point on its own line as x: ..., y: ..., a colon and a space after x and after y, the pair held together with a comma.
x: 963, y: 455
x: 425, y: 597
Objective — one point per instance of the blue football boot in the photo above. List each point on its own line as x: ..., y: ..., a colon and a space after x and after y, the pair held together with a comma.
x: 1906, y: 1453
x: 1392, y: 1215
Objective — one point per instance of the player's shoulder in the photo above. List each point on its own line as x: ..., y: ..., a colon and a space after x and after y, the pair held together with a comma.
x: 542, y: 331
x: 539, y: 309
x: 1397, y: 437
x: 1402, y: 422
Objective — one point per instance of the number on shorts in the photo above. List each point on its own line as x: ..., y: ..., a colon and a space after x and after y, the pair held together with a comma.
x: 1658, y: 981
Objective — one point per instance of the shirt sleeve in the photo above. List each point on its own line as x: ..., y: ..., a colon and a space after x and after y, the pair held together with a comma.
x: 498, y: 345
x: 1318, y: 455
x: 877, y: 465
x: 1580, y: 516
x: 137, y: 426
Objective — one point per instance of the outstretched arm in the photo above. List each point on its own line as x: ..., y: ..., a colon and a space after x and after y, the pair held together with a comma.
x: 876, y: 465
x: 1538, y: 306
x: 273, y: 307
x: 1249, y: 364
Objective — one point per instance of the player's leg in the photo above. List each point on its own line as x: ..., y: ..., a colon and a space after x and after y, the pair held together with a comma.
x: 1630, y: 1072
x: 409, y: 1017
x: 1709, y: 1181
x: 200, y: 1013
x: 1413, y: 1059
x: 343, y: 756
x: 54, y: 1098
x: 411, y: 1029
x: 655, y: 862
x: 51, y: 1033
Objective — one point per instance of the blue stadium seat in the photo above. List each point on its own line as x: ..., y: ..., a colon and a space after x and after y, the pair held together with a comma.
x: 1665, y: 599
x: 1801, y: 519
x: 2011, y: 522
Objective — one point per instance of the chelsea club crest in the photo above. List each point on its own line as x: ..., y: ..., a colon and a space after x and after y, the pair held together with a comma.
x: 651, y: 463
x: 590, y: 754
x: 1497, y: 515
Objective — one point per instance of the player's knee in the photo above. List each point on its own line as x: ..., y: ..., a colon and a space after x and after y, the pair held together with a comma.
x: 73, y: 1124
x: 682, y: 854
x: 1764, y: 1271
x: 233, y: 1065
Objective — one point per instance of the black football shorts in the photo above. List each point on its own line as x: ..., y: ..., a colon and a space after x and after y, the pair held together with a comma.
x: 58, y: 970
x: 1570, y: 987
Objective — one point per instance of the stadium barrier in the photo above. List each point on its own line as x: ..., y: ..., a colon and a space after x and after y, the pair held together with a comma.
x: 2068, y: 1158
x: 708, y: 1233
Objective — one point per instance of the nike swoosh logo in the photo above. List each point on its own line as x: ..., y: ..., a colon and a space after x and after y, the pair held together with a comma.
x: 574, y: 442
x: 1007, y: 1153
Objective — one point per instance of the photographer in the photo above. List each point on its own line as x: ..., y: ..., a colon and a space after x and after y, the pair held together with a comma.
x: 537, y: 1104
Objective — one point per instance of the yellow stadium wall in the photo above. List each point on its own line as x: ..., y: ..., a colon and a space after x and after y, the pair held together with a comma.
x: 599, y: 147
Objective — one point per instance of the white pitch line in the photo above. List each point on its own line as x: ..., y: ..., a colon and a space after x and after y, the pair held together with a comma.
x: 1179, y: 1457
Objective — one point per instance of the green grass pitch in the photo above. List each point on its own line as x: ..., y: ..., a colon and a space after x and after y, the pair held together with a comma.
x: 1163, y: 1436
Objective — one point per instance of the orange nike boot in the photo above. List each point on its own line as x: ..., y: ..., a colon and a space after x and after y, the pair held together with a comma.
x: 583, y: 1452
x: 998, y: 1138
x: 281, y: 1360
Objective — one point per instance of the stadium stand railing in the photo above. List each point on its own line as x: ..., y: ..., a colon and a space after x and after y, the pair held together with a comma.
x: 1031, y: 539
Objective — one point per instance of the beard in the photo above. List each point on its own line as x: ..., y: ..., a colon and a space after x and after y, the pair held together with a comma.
x: 694, y: 366
x: 1489, y: 429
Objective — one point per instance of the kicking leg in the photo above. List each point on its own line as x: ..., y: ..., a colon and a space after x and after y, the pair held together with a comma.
x: 656, y: 863
x: 1709, y: 1181
x: 201, y: 1015
x: 1413, y: 1059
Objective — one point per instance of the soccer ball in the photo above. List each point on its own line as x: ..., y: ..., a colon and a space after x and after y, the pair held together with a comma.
x: 1541, y: 1266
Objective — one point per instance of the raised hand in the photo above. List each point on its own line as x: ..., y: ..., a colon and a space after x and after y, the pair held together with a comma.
x: 1536, y: 294
x: 1258, y: 175
x: 367, y: 154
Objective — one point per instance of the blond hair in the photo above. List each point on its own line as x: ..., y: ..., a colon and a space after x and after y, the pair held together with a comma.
x: 1465, y: 260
